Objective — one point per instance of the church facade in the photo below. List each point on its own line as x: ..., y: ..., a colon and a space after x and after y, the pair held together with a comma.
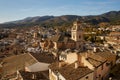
x: 63, y: 42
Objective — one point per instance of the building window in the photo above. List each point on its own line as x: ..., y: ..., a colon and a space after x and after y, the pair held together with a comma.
x: 79, y: 36
x: 99, y: 76
x: 87, y: 77
x: 102, y: 78
x: 107, y: 64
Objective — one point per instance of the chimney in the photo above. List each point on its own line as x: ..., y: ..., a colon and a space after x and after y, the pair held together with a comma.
x: 94, y: 49
x: 33, y: 76
x: 1, y: 64
x: 110, y: 78
x: 86, y: 55
x: 59, y: 64
x: 76, y: 65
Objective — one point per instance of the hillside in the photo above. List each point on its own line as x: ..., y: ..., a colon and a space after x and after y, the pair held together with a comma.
x: 112, y: 17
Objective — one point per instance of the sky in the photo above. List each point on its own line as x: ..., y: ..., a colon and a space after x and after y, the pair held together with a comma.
x: 11, y: 10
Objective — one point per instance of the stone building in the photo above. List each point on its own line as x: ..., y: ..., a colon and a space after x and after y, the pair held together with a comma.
x: 62, y: 42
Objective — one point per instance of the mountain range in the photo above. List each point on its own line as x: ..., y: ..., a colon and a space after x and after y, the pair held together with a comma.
x: 112, y: 17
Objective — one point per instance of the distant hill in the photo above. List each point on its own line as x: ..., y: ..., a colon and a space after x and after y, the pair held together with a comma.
x: 112, y: 17
x: 32, y: 19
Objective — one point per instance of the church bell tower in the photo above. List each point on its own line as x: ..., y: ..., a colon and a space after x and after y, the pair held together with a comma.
x: 77, y: 33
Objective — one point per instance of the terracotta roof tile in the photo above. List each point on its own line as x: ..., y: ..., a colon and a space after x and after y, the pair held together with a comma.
x: 69, y: 72
x: 61, y: 38
x: 44, y: 57
x: 17, y: 62
x: 43, y: 75
x: 94, y: 59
